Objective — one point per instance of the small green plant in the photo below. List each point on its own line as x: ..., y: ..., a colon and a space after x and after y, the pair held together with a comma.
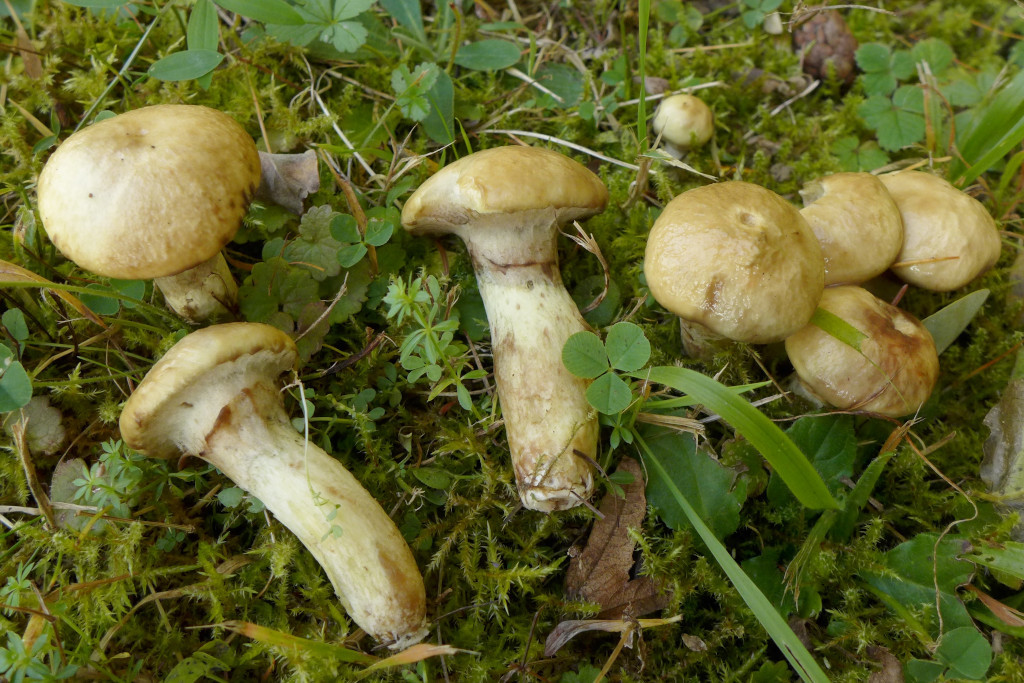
x: 112, y: 483
x: 756, y: 11
x: 429, y: 349
x: 20, y: 662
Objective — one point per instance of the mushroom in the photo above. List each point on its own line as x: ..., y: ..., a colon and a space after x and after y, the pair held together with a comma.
x: 857, y: 223
x: 892, y: 374
x: 683, y: 122
x: 735, y: 260
x: 507, y: 204
x: 948, y: 237
x: 154, y: 193
x: 216, y: 395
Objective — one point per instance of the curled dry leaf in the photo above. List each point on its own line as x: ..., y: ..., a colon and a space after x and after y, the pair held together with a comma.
x: 601, y: 573
x: 287, y: 179
x: 891, y: 671
x: 568, y: 629
x: 1003, y: 466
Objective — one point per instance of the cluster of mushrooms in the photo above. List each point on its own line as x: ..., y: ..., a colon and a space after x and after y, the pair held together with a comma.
x: 158, y: 192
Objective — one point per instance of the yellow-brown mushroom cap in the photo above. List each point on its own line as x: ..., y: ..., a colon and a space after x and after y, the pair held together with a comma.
x: 948, y: 237
x: 684, y: 121
x: 857, y: 223
x: 178, y: 403
x: 503, y: 181
x: 738, y: 259
x: 149, y: 193
x: 894, y: 372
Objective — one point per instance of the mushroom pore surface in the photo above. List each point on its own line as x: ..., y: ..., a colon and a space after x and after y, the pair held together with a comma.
x: 738, y: 259
x: 149, y: 193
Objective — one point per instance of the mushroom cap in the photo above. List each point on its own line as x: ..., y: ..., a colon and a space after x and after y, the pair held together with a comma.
x: 738, y: 259
x: 894, y: 372
x: 684, y: 121
x: 151, y: 192
x: 180, y: 400
x: 857, y: 223
x: 948, y: 237
x: 501, y: 181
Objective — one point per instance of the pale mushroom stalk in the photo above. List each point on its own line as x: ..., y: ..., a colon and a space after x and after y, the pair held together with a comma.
x: 216, y: 395
x: 506, y: 204
x: 201, y: 292
x: 548, y: 421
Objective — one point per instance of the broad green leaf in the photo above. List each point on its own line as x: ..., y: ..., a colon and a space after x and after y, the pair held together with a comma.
x: 628, y: 348
x: 882, y: 67
x: 588, y: 290
x: 947, y: 323
x: 1007, y: 557
x: 131, y: 289
x: 203, y: 26
x: 378, y: 232
x: 492, y: 54
x: 835, y: 326
x: 351, y: 255
x: 829, y: 443
x: 100, y: 304
x: 783, y: 455
x: 564, y: 81
x: 439, y: 123
x: 790, y: 646
x: 266, y: 11
x: 185, y: 65
x: 584, y: 355
x: 967, y: 653
x: 97, y: 4
x: 896, y: 127
x: 707, y: 484
x: 231, y: 496
x: 15, y: 384
x: 935, y: 51
x: 923, y: 671
x: 609, y: 394
x: 345, y: 229
x: 913, y: 571
x: 764, y: 571
x: 14, y: 320
x: 315, y: 248
x: 408, y: 14
x: 434, y: 477
x: 345, y: 36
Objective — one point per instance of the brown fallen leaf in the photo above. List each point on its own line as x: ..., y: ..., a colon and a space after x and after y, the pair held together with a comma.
x: 891, y: 671
x: 570, y: 628
x: 287, y: 179
x: 1008, y: 615
x: 601, y: 573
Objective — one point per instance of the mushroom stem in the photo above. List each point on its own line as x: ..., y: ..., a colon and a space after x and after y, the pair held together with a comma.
x: 365, y: 557
x: 547, y: 417
x: 201, y: 292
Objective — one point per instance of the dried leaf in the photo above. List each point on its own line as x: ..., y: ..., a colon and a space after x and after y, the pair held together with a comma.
x: 892, y: 670
x: 1008, y: 615
x: 601, y: 573
x: 11, y: 273
x: 570, y: 628
x: 287, y: 179
x: 411, y: 655
x: 1003, y: 466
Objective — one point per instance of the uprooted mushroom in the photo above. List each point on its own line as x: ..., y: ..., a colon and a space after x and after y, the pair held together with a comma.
x: 507, y: 204
x: 216, y: 395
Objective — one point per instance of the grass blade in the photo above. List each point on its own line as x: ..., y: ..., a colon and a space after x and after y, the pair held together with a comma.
x: 799, y: 658
x: 777, y: 448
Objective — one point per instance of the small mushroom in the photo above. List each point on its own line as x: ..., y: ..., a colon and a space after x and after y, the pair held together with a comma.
x: 736, y: 259
x: 216, y: 395
x: 683, y: 122
x: 948, y: 237
x: 154, y: 193
x: 507, y: 204
x: 857, y: 223
x: 893, y: 373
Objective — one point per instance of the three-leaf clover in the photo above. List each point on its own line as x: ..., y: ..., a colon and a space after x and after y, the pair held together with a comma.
x: 883, y: 68
x: 757, y: 10
x: 626, y: 349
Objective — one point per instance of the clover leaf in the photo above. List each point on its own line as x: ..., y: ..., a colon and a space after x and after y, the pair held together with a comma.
x: 626, y: 349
